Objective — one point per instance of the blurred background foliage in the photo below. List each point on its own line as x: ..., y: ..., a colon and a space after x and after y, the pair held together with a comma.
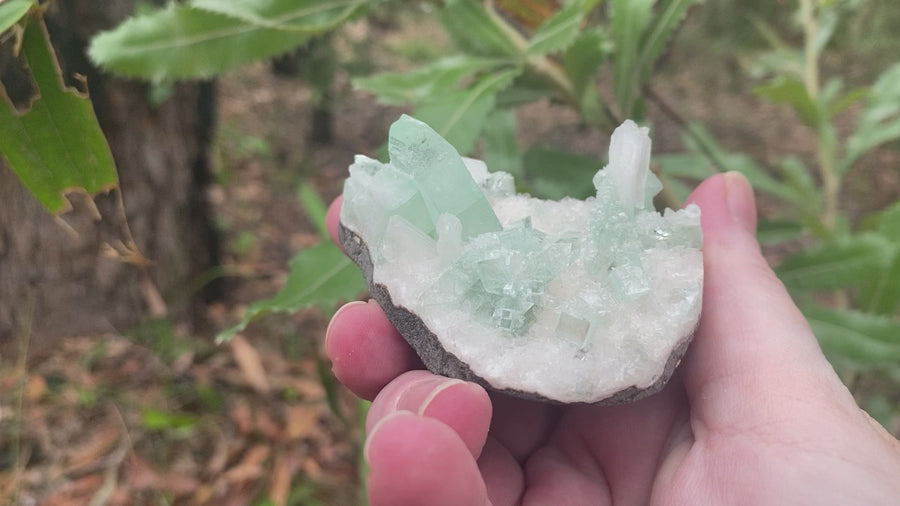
x: 800, y: 96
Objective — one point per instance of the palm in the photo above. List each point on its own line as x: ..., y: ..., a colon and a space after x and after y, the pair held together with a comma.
x: 755, y: 414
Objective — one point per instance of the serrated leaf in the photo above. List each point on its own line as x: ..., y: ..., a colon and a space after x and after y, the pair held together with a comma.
x: 583, y: 58
x: 459, y: 116
x: 309, y: 16
x: 475, y: 30
x: 321, y: 276
x: 558, y: 32
x: 790, y: 91
x: 555, y: 174
x: 880, y: 120
x: 426, y: 82
x: 57, y: 145
x: 501, y: 143
x: 12, y: 11
x: 861, y: 337
x: 629, y: 20
x: 180, y: 41
x: 837, y: 264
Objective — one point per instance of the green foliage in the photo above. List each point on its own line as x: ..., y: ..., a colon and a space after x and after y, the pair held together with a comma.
x: 12, y: 11
x: 203, y: 38
x: 320, y: 276
x: 57, y: 145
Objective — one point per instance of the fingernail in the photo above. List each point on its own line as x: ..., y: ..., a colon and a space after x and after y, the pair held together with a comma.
x: 337, y: 314
x: 436, y: 391
x: 374, y: 432
x: 740, y: 201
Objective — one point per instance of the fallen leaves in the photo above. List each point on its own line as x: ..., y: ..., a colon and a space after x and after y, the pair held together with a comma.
x: 74, y: 427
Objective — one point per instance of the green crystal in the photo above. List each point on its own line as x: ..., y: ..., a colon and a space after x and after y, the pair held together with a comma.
x: 441, y: 177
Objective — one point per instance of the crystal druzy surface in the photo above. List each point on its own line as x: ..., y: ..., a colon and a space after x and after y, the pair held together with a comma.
x: 570, y: 300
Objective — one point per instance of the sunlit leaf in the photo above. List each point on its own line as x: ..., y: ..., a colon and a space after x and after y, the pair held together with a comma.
x: 180, y: 41
x: 426, y: 82
x: 837, y: 264
x: 310, y: 16
x: 320, y: 276
x: 11, y: 11
x: 57, y: 145
x: 558, y: 32
x: 459, y: 116
x: 475, y: 30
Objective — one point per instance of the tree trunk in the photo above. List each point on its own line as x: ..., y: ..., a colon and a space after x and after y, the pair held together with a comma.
x: 53, y: 284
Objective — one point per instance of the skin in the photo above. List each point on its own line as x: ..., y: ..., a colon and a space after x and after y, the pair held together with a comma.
x: 754, y: 415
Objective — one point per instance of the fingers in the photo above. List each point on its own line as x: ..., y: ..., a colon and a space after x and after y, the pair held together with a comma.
x: 753, y: 343
x: 425, y: 433
x: 462, y: 406
x: 418, y: 460
x: 365, y: 350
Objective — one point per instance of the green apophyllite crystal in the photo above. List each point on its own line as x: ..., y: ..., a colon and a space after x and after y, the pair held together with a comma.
x: 440, y: 176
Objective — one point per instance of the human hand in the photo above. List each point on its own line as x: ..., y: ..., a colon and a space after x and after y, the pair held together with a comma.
x: 754, y: 415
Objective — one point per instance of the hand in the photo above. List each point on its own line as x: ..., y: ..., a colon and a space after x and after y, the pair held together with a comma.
x: 754, y: 415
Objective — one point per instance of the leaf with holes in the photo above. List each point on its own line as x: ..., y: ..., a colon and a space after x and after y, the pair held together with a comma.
x: 56, y: 146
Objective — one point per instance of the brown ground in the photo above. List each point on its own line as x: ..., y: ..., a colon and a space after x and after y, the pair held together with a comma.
x: 162, y: 417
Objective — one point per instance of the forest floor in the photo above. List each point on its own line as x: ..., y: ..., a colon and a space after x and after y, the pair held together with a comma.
x: 162, y: 416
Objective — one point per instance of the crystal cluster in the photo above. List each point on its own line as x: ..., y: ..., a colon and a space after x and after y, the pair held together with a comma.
x: 508, y: 282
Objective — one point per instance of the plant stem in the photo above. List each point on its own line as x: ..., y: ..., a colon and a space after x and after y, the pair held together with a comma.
x: 825, y: 153
x: 547, y: 69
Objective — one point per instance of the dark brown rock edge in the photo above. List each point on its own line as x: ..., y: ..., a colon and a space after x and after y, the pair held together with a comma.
x: 439, y: 361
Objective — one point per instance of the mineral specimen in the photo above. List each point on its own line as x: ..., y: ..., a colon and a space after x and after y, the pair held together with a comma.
x: 572, y: 301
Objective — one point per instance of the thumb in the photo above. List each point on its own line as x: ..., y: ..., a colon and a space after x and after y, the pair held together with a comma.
x: 753, y: 345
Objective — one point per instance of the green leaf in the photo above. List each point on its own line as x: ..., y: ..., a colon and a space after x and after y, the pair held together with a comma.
x: 837, y: 264
x: 799, y: 179
x: 670, y: 15
x: 315, y: 208
x: 694, y: 166
x: 880, y: 293
x: 791, y: 91
x: 501, y: 144
x: 12, y: 11
x: 459, y: 116
x: 629, y: 20
x: 426, y: 82
x: 583, y: 58
x: 775, y: 231
x: 57, y: 145
x: 880, y: 120
x: 320, y: 276
x: 558, y: 32
x: 155, y: 419
x: 864, y: 338
x: 308, y: 16
x: 697, y: 139
x: 185, y: 42
x: 475, y: 30
x: 555, y: 174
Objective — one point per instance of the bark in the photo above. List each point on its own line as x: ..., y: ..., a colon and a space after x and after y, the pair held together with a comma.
x: 53, y: 284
